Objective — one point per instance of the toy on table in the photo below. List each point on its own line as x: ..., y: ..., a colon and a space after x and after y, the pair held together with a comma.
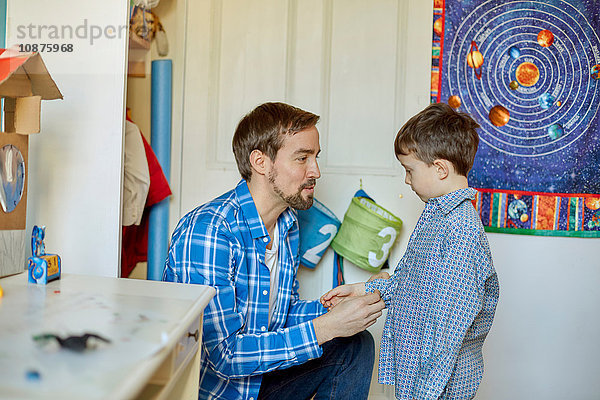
x: 43, y: 267
x: 73, y: 343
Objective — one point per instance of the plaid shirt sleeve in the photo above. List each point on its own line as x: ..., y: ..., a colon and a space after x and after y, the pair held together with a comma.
x: 457, y: 298
x: 207, y: 254
x: 302, y: 310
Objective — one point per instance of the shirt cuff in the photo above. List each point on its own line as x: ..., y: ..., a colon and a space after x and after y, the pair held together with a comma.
x: 304, y: 342
x: 426, y: 393
x: 378, y: 284
x: 426, y: 389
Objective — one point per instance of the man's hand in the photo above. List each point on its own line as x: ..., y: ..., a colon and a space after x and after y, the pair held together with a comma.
x: 380, y: 275
x: 337, y: 294
x: 352, y: 314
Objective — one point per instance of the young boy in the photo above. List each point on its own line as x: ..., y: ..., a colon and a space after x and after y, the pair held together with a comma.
x: 442, y: 297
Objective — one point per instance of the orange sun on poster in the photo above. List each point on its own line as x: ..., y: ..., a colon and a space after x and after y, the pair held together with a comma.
x: 593, y: 203
x: 527, y: 74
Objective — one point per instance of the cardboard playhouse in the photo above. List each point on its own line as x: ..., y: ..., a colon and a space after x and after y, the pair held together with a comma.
x: 24, y: 83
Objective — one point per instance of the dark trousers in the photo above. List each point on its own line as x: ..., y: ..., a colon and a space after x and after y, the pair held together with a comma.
x: 343, y: 372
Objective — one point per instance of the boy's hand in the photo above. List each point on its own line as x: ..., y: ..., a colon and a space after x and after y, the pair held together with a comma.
x: 335, y: 295
x: 380, y: 275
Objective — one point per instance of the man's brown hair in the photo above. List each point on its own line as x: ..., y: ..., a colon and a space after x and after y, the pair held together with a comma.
x: 439, y: 132
x: 264, y: 128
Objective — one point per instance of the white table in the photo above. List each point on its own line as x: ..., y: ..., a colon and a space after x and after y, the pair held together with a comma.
x: 154, y: 328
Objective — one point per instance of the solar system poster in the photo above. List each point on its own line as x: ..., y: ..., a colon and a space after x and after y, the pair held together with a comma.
x: 529, y: 73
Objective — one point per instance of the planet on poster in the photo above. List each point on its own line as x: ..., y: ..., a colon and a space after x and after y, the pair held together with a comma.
x: 499, y: 115
x: 593, y: 203
x: 595, y: 72
x: 555, y: 131
x: 517, y: 209
x: 475, y: 59
x: 438, y: 26
x: 594, y: 222
x: 545, y: 38
x: 546, y: 101
x: 454, y: 101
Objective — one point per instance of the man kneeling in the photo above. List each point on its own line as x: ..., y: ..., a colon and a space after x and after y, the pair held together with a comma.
x: 259, y: 340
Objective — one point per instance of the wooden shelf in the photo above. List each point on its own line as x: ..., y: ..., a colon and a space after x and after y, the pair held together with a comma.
x: 136, y: 42
x: 138, y: 49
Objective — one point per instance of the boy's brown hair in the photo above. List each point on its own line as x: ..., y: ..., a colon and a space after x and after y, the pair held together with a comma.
x: 264, y: 128
x: 439, y: 132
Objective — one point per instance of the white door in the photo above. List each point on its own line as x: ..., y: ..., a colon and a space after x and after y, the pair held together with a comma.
x: 345, y: 60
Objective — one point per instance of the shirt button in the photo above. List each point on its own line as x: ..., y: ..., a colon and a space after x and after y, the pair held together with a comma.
x: 265, y: 292
x: 251, y: 398
x: 263, y: 328
x: 265, y: 240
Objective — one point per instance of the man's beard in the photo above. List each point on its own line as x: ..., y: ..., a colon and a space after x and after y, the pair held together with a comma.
x: 295, y: 200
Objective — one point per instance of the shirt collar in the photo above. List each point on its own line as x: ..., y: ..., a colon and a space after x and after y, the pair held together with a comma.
x: 450, y: 201
x: 255, y: 222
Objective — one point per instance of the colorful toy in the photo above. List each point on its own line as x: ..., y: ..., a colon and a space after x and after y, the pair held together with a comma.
x: 73, y: 343
x: 43, y: 267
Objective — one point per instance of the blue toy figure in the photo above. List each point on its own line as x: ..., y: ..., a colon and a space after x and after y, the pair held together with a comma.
x: 43, y: 267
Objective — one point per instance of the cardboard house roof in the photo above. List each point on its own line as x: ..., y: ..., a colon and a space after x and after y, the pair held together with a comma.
x: 23, y: 75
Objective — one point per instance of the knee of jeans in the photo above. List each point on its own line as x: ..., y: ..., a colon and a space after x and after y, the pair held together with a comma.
x: 364, y: 348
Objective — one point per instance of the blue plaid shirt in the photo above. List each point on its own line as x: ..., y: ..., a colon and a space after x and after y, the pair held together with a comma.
x: 222, y: 244
x: 441, y: 302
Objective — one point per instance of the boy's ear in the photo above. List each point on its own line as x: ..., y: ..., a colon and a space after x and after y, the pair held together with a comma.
x: 259, y: 162
x: 442, y: 168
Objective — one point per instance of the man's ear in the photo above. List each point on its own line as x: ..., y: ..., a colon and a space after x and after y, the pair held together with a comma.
x: 259, y: 162
x: 442, y: 168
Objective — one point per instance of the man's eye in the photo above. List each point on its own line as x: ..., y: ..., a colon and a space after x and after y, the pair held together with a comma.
x: 302, y: 158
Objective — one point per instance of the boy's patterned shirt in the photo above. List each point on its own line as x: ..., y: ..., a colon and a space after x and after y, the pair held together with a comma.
x: 441, y: 303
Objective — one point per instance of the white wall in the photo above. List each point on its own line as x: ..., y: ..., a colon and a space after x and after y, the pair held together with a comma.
x: 544, y: 341
x: 75, y: 163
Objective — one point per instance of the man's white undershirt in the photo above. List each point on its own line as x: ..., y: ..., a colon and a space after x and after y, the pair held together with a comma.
x: 271, y: 260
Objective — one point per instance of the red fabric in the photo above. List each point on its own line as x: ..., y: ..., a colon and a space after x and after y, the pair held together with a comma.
x: 134, y: 244
x: 159, y: 186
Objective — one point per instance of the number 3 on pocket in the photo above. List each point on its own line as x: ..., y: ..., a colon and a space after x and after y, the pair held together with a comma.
x: 385, y: 248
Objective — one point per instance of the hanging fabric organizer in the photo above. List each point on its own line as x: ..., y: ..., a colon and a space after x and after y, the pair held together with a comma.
x: 367, y: 234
